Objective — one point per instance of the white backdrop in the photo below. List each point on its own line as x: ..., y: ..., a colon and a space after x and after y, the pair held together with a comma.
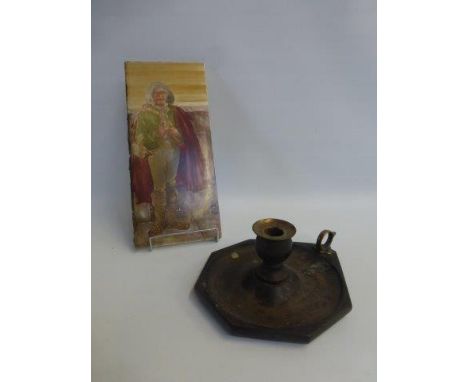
x: 292, y: 102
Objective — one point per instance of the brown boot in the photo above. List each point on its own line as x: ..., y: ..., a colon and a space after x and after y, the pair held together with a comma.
x: 175, y: 222
x: 158, y: 201
x: 174, y: 217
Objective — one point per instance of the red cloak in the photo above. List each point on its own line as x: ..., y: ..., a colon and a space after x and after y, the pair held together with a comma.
x: 142, y: 183
x: 190, y: 173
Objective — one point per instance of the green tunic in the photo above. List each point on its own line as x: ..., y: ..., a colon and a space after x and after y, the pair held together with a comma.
x: 150, y: 121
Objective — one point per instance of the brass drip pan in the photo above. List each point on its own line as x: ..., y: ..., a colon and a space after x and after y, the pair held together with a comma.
x: 275, y: 289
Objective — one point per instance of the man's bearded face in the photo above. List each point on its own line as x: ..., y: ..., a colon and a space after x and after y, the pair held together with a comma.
x: 160, y: 97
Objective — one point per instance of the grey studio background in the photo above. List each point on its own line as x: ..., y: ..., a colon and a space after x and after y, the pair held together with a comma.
x: 292, y: 91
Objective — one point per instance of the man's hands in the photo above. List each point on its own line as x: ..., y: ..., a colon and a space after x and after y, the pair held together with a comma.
x: 173, y: 134
x: 140, y: 150
x: 169, y: 132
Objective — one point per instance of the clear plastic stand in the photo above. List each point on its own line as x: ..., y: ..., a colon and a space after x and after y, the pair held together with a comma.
x: 191, y: 237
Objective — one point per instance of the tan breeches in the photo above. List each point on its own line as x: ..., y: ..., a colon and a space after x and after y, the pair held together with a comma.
x: 163, y: 165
